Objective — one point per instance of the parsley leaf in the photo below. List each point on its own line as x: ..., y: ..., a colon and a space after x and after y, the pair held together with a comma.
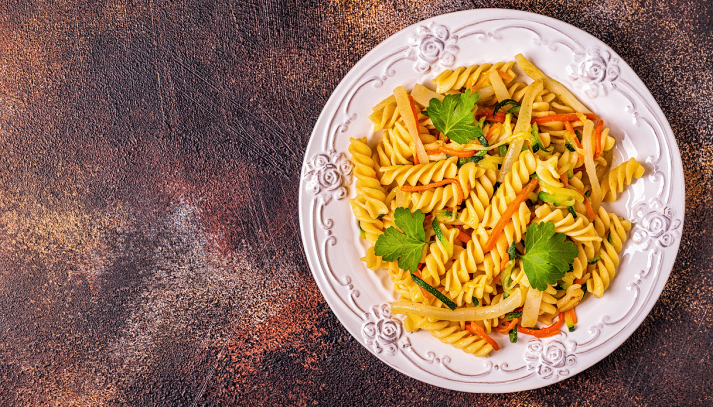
x: 454, y: 115
x: 548, y: 255
x: 407, y: 247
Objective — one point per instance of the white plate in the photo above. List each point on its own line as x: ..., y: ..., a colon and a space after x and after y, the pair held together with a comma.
x: 606, y: 84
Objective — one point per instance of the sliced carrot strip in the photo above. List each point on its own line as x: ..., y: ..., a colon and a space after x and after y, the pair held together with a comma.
x: 481, y: 83
x: 506, y: 76
x: 598, y: 138
x: 544, y: 332
x: 505, y: 329
x: 451, y: 152
x: 568, y: 117
x: 463, y: 237
x: 588, y: 206
x: 572, y: 316
x: 418, y: 188
x: 578, y: 169
x: 570, y: 129
x: 479, y: 331
x: 507, y: 215
x: 564, y: 179
x: 488, y: 114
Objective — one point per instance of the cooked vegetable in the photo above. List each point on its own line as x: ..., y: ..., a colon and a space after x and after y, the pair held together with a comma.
x: 445, y: 300
x: 556, y: 200
x: 417, y: 188
x: 407, y: 110
x: 479, y: 331
x: 461, y: 314
x: 544, y: 332
x: 507, y: 215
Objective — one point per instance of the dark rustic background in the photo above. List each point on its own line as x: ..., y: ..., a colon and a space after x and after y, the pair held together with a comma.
x: 150, y: 156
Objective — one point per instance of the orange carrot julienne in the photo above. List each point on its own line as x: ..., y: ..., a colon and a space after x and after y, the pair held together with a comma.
x: 488, y: 114
x: 481, y: 83
x: 572, y: 315
x: 578, y: 169
x: 564, y: 179
x: 506, y: 76
x: 505, y: 329
x: 598, y: 138
x: 451, y: 152
x: 463, y: 237
x: 570, y: 129
x: 544, y: 332
x: 567, y: 117
x: 479, y: 331
x: 418, y: 188
x: 588, y: 206
x: 507, y: 215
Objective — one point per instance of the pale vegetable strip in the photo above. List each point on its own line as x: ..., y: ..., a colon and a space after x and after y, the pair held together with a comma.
x: 404, y: 105
x: 422, y: 95
x: 590, y: 165
x: 523, y: 125
x: 460, y: 314
x: 532, y: 307
x: 501, y: 91
x: 552, y: 85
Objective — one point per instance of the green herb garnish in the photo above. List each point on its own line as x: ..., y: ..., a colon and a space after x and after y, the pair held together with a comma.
x: 453, y: 117
x: 547, y: 256
x: 512, y: 252
x: 594, y: 260
x: 475, y: 301
x: 406, y: 247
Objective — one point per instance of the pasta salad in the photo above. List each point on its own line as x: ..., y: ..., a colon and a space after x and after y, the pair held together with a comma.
x: 482, y: 201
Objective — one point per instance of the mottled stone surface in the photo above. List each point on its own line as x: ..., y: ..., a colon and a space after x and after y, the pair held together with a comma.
x: 149, y: 167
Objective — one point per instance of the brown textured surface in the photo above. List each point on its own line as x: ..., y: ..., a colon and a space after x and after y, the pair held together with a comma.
x: 149, y: 168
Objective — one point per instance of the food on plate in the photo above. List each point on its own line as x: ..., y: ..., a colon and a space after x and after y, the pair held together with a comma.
x: 482, y: 201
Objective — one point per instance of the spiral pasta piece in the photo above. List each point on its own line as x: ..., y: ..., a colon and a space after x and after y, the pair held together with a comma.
x: 572, y: 296
x: 423, y: 173
x: 437, y: 258
x: 369, y: 189
x: 384, y: 115
x: 579, y: 230
x: 395, y: 148
x: 481, y: 191
x: 434, y: 199
x: 449, y: 333
x: 369, y: 203
x: 619, y: 177
x: 373, y: 262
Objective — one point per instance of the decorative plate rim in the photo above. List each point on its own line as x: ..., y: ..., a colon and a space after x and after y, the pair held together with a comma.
x: 657, y: 207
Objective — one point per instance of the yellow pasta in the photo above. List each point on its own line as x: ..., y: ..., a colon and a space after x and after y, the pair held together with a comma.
x: 478, y: 197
